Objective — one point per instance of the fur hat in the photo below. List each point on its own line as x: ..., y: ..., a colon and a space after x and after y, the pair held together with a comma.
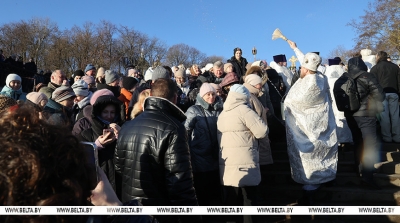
x: 205, y: 88
x: 253, y: 79
x: 62, y: 93
x: 81, y: 88
x: 311, y: 61
x: 89, y: 80
x: 78, y: 73
x: 180, y: 73
x: 89, y: 67
x: 12, y: 77
x: 279, y: 58
x: 160, y: 72
x: 6, y: 102
x: 36, y: 97
x: 129, y: 82
x: 111, y: 76
x: 99, y: 93
x: 100, y: 72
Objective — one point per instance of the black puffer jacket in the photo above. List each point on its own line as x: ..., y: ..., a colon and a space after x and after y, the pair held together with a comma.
x: 90, y: 128
x: 201, y: 126
x: 370, y: 91
x: 153, y: 157
x: 239, y: 66
x: 388, y: 76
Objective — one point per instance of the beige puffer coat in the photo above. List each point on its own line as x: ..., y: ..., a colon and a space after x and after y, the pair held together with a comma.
x: 239, y: 127
x: 264, y: 146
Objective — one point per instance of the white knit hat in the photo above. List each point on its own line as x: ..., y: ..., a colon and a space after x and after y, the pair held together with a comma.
x: 311, y: 61
x: 12, y: 77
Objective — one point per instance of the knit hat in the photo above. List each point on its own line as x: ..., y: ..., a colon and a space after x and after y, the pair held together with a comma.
x: 311, y: 61
x: 180, y: 73
x: 78, y: 73
x: 99, y: 93
x: 205, y: 88
x: 6, y: 102
x: 12, y: 77
x: 240, y: 89
x: 111, y: 76
x: 62, y: 93
x: 216, y: 86
x: 226, y: 66
x: 148, y: 75
x: 100, y: 72
x: 89, y: 67
x: 258, y: 63
x: 253, y: 79
x: 81, y: 88
x: 88, y: 80
x: 36, y: 97
x: 160, y: 72
x: 129, y: 82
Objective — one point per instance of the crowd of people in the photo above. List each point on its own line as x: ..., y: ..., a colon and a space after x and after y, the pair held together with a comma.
x: 177, y: 136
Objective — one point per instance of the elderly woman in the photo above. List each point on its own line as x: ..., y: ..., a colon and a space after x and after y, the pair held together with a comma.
x: 253, y: 83
x: 13, y: 88
x: 239, y: 130
x: 201, y: 124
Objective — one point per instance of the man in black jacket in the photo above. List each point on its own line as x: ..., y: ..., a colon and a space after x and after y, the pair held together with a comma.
x: 153, y: 154
x: 362, y: 123
x: 388, y: 75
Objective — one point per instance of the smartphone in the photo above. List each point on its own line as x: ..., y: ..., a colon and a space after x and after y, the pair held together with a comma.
x: 92, y: 160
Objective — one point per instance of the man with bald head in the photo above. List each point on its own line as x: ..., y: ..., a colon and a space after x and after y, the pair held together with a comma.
x: 57, y: 79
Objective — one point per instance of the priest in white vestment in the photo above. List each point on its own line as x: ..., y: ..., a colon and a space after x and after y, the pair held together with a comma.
x: 333, y: 72
x: 310, y: 128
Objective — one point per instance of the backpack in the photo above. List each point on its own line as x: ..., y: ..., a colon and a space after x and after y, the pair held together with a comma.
x: 346, y: 94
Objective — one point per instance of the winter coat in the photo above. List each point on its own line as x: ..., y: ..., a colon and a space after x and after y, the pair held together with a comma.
x: 116, y: 90
x: 388, y: 76
x: 57, y: 114
x: 153, y: 157
x: 201, y: 124
x: 239, y: 66
x: 14, y: 94
x: 264, y: 146
x: 125, y: 97
x: 370, y: 90
x: 90, y: 127
x: 239, y: 127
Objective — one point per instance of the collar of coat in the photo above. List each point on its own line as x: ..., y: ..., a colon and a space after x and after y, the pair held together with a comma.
x: 166, y: 106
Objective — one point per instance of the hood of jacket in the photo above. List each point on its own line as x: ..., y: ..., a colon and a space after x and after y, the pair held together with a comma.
x: 102, y: 102
x: 165, y: 106
x: 356, y: 65
x: 217, y: 105
x: 235, y: 99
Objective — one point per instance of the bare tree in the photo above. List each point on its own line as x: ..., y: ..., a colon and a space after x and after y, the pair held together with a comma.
x: 212, y: 59
x: 379, y: 28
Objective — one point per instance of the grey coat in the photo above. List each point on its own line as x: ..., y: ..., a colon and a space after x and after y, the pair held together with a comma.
x: 203, y: 149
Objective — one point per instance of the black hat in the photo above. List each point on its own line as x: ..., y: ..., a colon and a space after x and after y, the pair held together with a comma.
x: 129, y: 82
x: 334, y: 61
x: 236, y: 49
x: 78, y: 73
x: 280, y: 58
x: 316, y: 53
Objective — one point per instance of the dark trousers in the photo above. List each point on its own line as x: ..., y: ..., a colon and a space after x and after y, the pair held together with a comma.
x: 208, y: 188
x: 366, y: 150
x: 242, y: 196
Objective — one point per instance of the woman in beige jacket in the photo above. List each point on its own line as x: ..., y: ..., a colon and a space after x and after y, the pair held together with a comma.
x: 239, y: 127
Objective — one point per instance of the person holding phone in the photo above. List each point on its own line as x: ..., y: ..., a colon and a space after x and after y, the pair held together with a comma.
x: 102, y: 126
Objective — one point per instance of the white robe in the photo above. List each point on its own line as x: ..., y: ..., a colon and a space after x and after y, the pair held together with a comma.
x: 285, y: 73
x: 311, y: 131
x: 342, y: 129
